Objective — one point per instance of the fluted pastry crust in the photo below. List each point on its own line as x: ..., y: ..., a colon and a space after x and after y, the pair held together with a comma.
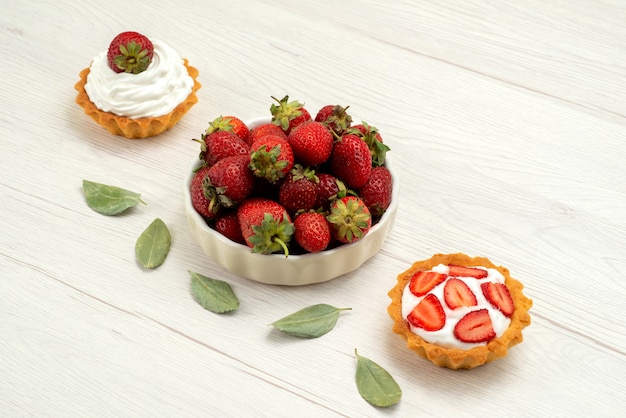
x: 454, y: 358
x: 140, y: 127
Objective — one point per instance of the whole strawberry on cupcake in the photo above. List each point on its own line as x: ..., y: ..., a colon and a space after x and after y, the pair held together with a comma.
x: 125, y: 90
x: 130, y: 52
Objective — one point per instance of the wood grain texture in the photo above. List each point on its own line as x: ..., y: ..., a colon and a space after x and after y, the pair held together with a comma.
x: 507, y: 123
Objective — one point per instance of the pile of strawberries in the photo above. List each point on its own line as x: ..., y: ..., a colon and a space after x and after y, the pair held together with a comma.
x: 295, y: 185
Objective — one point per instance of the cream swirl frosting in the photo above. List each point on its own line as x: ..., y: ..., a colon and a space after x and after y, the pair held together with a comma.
x: 154, y: 92
x: 445, y: 336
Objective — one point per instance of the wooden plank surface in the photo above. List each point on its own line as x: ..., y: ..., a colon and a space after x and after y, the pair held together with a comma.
x: 507, y: 124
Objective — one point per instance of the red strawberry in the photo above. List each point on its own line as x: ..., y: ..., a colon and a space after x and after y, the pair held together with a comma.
x: 230, y: 124
x: 229, y: 181
x: 227, y: 224
x: 376, y: 193
x: 221, y: 144
x: 499, y: 296
x: 428, y: 314
x: 349, y: 219
x: 329, y: 188
x: 423, y: 282
x: 456, y: 294
x: 271, y: 158
x: 312, y: 231
x: 288, y: 114
x: 335, y: 118
x: 266, y: 129
x: 365, y: 129
x: 311, y: 143
x: 130, y: 52
x: 374, y: 142
x: 201, y: 202
x: 475, y: 327
x: 462, y: 271
x: 264, y: 188
x: 351, y: 161
x: 265, y: 225
x: 299, y: 190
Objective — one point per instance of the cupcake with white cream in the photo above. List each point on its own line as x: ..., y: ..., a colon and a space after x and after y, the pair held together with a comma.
x: 138, y: 88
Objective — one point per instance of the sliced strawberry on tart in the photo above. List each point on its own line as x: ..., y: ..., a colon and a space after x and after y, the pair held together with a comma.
x: 456, y: 294
x: 423, y: 282
x: 458, y: 311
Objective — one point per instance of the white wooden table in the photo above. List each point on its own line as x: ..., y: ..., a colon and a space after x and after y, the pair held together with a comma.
x: 506, y: 119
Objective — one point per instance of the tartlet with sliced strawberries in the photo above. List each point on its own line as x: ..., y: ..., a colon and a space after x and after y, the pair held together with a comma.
x: 458, y: 311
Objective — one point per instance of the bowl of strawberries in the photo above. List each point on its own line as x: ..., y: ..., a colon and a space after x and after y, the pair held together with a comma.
x: 291, y: 199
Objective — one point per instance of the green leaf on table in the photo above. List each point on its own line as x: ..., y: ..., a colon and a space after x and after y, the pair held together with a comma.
x: 311, y: 322
x: 153, y: 244
x: 213, y: 295
x: 375, y: 384
x: 109, y: 200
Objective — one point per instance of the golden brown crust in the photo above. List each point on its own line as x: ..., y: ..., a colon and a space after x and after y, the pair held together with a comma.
x: 451, y: 357
x: 140, y: 127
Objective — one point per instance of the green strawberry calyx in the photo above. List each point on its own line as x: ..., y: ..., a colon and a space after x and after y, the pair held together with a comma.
x: 264, y: 163
x: 339, y: 120
x: 285, y: 111
x: 377, y: 148
x: 350, y: 218
x: 272, y: 235
x: 299, y: 172
x: 220, y: 123
x: 133, y: 58
x: 216, y: 196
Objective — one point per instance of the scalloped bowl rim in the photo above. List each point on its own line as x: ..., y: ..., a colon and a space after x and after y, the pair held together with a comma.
x: 294, y: 270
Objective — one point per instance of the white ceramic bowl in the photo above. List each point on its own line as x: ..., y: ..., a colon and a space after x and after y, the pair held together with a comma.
x: 294, y: 270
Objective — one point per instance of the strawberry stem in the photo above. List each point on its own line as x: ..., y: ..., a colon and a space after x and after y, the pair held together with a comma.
x: 283, y: 245
x: 272, y: 235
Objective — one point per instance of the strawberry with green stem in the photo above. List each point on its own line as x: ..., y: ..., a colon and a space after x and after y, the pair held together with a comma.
x: 329, y: 188
x: 230, y: 124
x: 228, y: 182
x: 220, y: 144
x: 299, y: 190
x: 265, y: 225
x: 288, y: 114
x: 349, y: 219
x: 130, y: 52
x: 335, y: 118
x: 200, y: 200
x: 271, y: 158
x: 374, y: 142
x: 351, y: 161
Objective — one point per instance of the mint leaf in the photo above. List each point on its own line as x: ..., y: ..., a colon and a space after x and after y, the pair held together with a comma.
x: 375, y: 384
x: 311, y: 322
x: 213, y: 295
x: 153, y: 245
x: 109, y: 200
